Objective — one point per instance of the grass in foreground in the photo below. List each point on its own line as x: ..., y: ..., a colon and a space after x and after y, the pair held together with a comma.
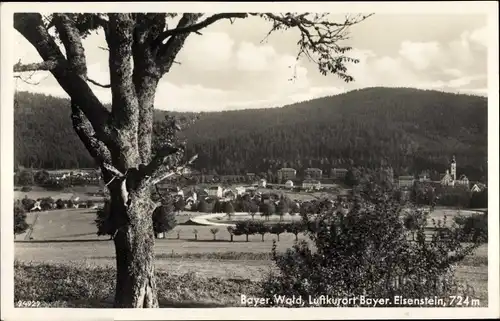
x: 80, y: 286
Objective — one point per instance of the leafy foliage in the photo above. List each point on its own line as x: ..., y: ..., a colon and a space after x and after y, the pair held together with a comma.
x: 474, y: 228
x: 367, y: 251
x: 20, y: 224
x: 103, y: 220
x: 164, y: 219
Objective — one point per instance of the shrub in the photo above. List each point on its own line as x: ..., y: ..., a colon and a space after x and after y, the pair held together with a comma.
x: 28, y: 203
x: 41, y: 177
x: 164, y: 219
x: 229, y: 209
x: 253, y: 209
x: 245, y: 228
x: 262, y: 229
x: 60, y: 204
x: 268, y: 209
x: 479, y: 199
x: 277, y: 229
x: 103, y: 220
x: 366, y: 252
x: 26, y: 178
x: 230, y: 230
x: 20, y: 224
x: 26, y: 189
x: 47, y: 203
x: 413, y: 220
x: 214, y: 231
x: 474, y: 228
x: 295, y: 228
x: 203, y: 206
x: 90, y: 203
x: 179, y: 204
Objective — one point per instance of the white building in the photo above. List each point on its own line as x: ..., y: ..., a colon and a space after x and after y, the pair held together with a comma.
x: 263, y: 183
x: 447, y: 179
x: 406, y: 181
x: 309, y: 183
x: 240, y: 190
x: 339, y: 173
x: 289, y: 184
x: 313, y: 173
x: 287, y: 173
x: 479, y: 187
x: 463, y: 181
x: 215, y: 191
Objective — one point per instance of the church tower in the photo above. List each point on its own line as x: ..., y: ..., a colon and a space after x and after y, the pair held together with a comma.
x: 454, y: 168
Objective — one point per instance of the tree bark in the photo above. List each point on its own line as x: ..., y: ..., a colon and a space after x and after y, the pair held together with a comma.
x: 134, y: 244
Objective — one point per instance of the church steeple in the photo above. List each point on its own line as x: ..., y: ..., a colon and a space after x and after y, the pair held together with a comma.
x: 453, y: 168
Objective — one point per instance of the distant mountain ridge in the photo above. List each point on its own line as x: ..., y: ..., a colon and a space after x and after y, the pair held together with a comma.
x: 407, y: 128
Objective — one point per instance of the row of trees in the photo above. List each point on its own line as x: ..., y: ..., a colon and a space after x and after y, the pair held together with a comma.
x: 457, y: 196
x: 48, y: 203
x: 29, y: 177
x: 248, y: 228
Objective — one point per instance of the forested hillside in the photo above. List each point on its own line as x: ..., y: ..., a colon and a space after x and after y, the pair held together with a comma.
x: 409, y: 129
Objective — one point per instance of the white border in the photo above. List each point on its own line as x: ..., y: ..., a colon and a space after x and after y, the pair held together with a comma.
x: 489, y: 8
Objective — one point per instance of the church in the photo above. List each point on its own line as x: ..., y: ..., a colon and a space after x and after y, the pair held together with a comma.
x: 450, y: 177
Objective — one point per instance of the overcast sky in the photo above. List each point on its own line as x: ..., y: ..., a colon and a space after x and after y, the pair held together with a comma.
x: 229, y: 68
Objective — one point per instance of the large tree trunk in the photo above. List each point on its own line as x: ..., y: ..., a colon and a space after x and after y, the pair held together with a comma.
x: 134, y: 244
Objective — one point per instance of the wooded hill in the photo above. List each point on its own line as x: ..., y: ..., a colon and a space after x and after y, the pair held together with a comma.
x: 409, y: 129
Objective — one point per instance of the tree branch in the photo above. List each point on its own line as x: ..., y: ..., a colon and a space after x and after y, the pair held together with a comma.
x: 44, y: 65
x: 197, y: 26
x: 319, y: 39
x: 70, y: 37
x: 98, y: 84
x: 166, y: 53
x: 166, y: 171
x: 32, y: 27
x: 86, y: 133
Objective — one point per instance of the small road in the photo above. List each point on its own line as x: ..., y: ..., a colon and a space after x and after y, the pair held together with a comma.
x: 30, y: 230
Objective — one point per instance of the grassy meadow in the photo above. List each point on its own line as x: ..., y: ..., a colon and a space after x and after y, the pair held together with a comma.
x: 191, y: 272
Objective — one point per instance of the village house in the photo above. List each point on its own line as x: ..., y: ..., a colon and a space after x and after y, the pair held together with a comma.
x: 240, y: 190
x: 215, y: 191
x: 478, y: 187
x: 463, y: 181
x: 311, y: 184
x: 339, y: 173
x: 286, y: 173
x: 229, y: 195
x: 289, y: 184
x: 424, y: 177
x: 405, y: 181
x: 313, y: 173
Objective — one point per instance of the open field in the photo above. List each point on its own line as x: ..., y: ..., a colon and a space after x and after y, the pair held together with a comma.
x: 83, y: 192
x: 68, y: 237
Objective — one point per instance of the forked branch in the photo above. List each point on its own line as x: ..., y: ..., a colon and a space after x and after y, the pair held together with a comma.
x: 197, y: 26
